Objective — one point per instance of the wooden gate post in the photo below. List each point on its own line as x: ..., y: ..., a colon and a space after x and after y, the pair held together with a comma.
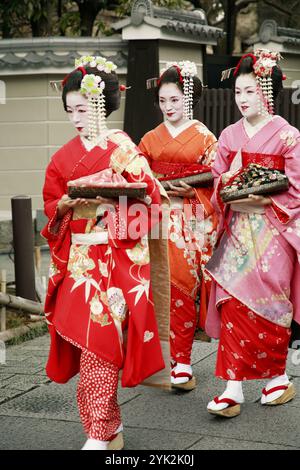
x: 23, y: 247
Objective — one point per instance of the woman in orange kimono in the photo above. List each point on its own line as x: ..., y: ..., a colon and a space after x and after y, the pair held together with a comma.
x: 176, y: 147
x: 99, y: 283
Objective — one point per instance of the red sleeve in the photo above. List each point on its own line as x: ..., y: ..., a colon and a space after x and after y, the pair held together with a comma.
x: 54, y: 189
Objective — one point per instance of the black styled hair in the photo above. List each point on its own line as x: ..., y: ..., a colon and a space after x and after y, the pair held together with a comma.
x: 111, y: 90
x: 246, y: 67
x: 171, y: 75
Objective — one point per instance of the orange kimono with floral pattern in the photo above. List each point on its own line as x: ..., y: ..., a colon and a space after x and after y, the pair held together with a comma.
x: 168, y: 154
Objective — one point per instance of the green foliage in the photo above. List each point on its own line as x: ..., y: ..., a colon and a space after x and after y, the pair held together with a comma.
x: 69, y: 23
x: 124, y: 6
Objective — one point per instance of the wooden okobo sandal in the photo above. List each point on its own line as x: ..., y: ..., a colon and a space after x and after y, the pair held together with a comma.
x: 186, y: 386
x: 233, y: 409
x: 288, y: 394
x: 117, y: 442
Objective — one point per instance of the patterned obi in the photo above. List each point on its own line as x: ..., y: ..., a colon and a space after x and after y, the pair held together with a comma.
x: 274, y: 162
x: 174, y: 168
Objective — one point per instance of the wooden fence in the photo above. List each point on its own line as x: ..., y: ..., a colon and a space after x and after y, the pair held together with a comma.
x: 218, y: 110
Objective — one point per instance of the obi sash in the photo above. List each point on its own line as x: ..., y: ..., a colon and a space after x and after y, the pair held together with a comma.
x: 177, y: 168
x: 274, y: 162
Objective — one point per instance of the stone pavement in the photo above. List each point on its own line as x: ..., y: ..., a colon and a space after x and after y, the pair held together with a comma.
x: 37, y: 414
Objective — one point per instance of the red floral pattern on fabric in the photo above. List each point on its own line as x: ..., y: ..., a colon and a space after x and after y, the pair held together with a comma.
x: 250, y: 346
x: 182, y: 326
x: 274, y: 162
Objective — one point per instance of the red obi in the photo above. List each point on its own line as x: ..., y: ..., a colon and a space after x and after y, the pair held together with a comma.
x: 177, y: 169
x: 274, y: 162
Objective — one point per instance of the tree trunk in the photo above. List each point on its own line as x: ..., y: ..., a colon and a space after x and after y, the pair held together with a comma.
x: 88, y: 10
x: 42, y: 26
x: 230, y: 24
x: 6, y: 20
x: 6, y: 29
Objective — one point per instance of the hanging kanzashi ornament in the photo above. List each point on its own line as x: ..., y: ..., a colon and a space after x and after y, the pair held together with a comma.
x: 263, y: 68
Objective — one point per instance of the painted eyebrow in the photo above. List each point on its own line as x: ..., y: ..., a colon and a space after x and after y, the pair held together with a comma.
x: 246, y: 88
x: 162, y: 98
x: 77, y: 106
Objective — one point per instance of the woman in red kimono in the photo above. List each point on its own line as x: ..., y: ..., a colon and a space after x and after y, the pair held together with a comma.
x: 255, y: 293
x: 100, y: 281
x: 177, y: 146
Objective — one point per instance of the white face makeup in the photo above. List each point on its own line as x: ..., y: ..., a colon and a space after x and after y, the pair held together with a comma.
x: 246, y: 97
x: 77, y: 109
x: 171, y: 103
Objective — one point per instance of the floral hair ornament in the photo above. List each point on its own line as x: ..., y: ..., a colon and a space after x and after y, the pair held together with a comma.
x: 263, y: 68
x: 92, y: 86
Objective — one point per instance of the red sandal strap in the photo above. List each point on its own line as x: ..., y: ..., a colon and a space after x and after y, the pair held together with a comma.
x: 229, y: 401
x: 274, y: 389
x: 181, y: 374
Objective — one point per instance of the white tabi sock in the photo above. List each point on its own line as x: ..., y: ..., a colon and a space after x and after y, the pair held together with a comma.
x: 95, y: 444
x: 181, y: 368
x: 234, y: 391
x: 276, y: 382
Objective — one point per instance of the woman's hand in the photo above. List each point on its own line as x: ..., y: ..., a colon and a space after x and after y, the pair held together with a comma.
x: 67, y: 203
x: 254, y: 200
x: 181, y: 191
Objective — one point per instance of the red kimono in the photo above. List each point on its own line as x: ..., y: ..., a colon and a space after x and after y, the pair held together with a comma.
x: 96, y: 291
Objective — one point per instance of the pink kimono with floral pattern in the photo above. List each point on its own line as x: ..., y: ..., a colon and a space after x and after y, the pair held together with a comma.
x: 256, y: 263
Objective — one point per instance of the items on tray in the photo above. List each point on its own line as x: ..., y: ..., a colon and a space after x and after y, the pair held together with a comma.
x: 192, y: 178
x: 105, y: 183
x: 254, y: 179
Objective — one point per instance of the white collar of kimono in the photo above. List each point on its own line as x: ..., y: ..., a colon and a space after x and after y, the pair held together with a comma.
x: 100, y: 142
x: 252, y: 130
x: 175, y: 131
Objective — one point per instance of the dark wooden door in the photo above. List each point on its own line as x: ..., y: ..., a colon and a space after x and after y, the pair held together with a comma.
x: 141, y: 114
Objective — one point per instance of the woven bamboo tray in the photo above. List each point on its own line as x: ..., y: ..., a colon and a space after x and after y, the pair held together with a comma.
x: 263, y: 189
x: 110, y: 192
x: 200, y: 179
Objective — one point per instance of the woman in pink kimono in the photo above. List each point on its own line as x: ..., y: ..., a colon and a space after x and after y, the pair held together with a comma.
x: 256, y: 265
